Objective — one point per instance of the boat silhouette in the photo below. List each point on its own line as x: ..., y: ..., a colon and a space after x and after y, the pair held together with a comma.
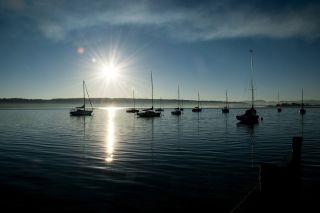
x: 226, y: 108
x: 82, y: 110
x: 149, y: 113
x: 250, y: 116
x: 133, y: 110
x: 197, y: 108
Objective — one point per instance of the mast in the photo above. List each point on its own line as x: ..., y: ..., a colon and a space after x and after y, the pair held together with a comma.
x: 134, y: 102
x: 84, y: 96
x: 226, y: 98
x: 302, y: 98
x: 278, y: 99
x: 86, y: 90
x: 198, y: 99
x: 180, y: 103
x: 178, y: 97
x: 252, y: 90
x: 152, y: 89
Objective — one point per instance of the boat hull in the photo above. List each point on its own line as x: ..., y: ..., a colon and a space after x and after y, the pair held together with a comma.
x: 302, y: 111
x: 196, y: 110
x: 249, y: 117
x: 244, y: 119
x: 81, y: 113
x: 148, y: 114
x: 279, y: 109
x: 225, y: 110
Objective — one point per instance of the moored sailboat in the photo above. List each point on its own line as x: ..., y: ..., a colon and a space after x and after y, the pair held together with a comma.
x: 278, y: 105
x: 302, y: 109
x: 181, y: 107
x: 197, y: 108
x: 149, y: 113
x: 177, y: 111
x: 226, y: 108
x: 133, y: 110
x: 82, y: 110
x: 160, y: 109
x: 250, y: 116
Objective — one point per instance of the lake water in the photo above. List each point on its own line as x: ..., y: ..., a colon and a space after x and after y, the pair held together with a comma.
x: 116, y: 162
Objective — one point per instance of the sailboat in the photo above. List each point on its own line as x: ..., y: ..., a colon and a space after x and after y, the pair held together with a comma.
x: 149, y: 113
x: 133, y: 110
x: 177, y: 111
x: 302, y: 109
x: 82, y: 110
x: 181, y: 107
x: 160, y: 109
x: 278, y: 105
x: 250, y: 116
x: 226, y: 108
x: 197, y: 108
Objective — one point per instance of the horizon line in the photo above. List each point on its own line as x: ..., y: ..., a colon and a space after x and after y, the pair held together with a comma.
x: 163, y: 99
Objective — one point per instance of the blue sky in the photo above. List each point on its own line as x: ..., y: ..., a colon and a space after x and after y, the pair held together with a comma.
x: 49, y: 47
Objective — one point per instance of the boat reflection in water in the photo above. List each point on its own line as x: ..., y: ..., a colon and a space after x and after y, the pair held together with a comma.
x: 110, y: 136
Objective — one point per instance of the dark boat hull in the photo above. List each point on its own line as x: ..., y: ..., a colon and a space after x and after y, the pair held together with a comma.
x: 249, y: 117
x: 148, y: 114
x: 225, y: 110
x: 244, y: 119
x: 302, y: 111
x: 196, y: 110
x: 81, y: 113
x: 279, y: 109
x: 248, y: 120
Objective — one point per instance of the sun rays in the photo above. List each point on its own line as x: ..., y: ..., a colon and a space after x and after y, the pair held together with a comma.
x: 111, y: 69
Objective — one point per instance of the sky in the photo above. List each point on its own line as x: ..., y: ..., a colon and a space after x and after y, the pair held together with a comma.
x: 49, y: 47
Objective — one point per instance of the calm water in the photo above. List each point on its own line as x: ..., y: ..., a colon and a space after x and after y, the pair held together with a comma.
x: 116, y: 161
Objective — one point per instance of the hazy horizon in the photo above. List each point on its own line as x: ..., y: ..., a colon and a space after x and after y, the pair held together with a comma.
x: 158, y: 99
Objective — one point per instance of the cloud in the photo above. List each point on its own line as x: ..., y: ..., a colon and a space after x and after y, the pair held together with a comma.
x: 193, y: 22
x: 14, y: 5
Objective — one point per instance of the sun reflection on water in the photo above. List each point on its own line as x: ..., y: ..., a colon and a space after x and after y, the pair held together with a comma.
x: 110, y: 136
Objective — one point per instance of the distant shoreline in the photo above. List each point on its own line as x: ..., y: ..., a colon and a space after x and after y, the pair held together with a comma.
x: 68, y: 103
x: 114, y: 101
x: 308, y: 103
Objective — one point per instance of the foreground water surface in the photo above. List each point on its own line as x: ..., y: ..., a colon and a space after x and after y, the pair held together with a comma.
x: 118, y: 162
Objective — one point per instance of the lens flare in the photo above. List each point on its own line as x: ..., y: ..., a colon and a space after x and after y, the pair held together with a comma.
x: 80, y: 50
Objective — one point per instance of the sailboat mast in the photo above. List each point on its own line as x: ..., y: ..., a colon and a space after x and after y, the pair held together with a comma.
x: 134, y: 102
x: 198, y: 99
x: 252, y: 90
x: 302, y: 98
x: 278, y: 98
x: 178, y: 97
x: 152, y: 89
x: 226, y: 98
x: 84, y: 95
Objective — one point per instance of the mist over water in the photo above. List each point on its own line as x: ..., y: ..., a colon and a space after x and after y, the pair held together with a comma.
x: 116, y: 161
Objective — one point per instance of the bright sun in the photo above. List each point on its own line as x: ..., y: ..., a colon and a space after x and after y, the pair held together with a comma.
x: 110, y: 71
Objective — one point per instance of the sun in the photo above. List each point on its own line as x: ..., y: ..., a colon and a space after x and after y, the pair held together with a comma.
x: 110, y: 71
